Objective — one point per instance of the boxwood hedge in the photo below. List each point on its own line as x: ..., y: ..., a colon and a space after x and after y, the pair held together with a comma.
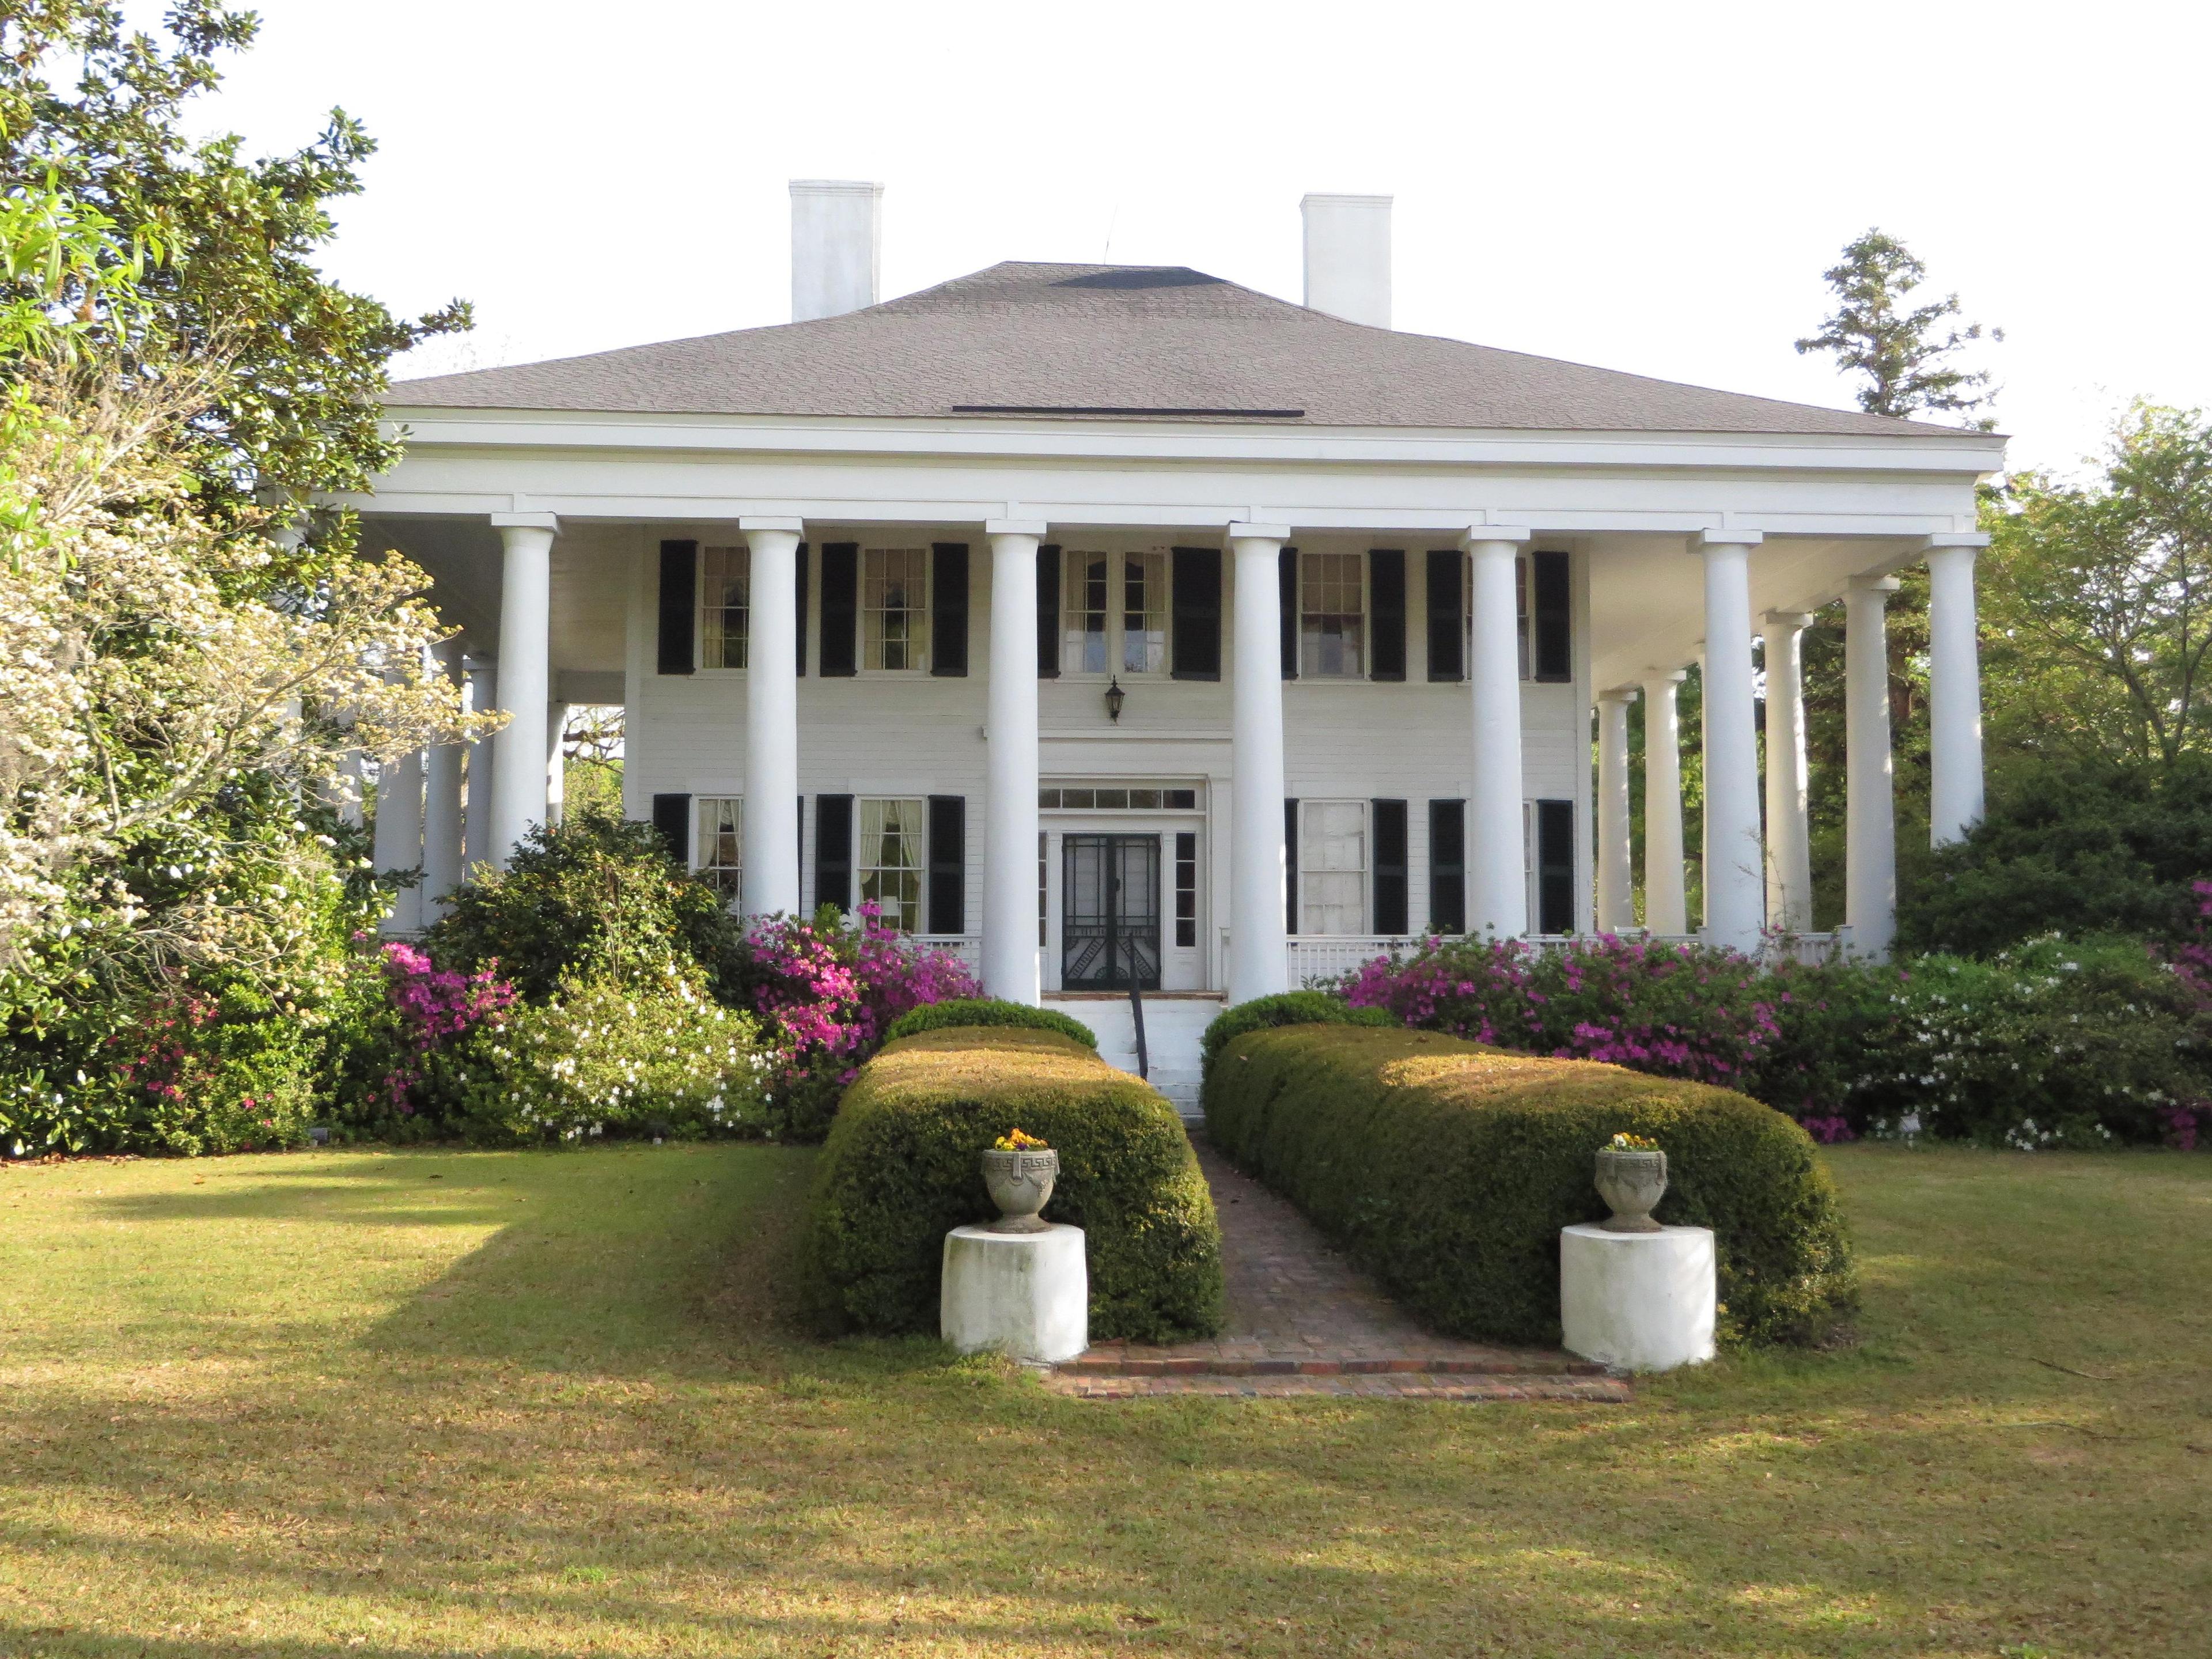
x: 1284, y: 1008
x: 988, y: 1011
x: 1447, y: 1169
x: 901, y: 1169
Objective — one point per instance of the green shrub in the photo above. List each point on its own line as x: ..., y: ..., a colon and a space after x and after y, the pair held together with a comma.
x: 901, y: 1168
x: 1288, y: 1008
x: 645, y: 1053
x: 988, y: 1011
x: 597, y: 894
x: 1447, y: 1169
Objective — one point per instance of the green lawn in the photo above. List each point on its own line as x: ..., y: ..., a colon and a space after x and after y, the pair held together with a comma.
x: 368, y: 1404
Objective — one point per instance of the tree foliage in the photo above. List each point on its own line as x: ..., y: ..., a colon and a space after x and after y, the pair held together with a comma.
x: 1908, y: 353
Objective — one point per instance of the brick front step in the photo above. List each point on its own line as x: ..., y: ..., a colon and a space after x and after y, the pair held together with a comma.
x: 1438, y: 1366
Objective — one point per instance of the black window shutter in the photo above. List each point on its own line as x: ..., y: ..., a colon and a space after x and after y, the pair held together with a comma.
x: 671, y: 816
x: 840, y: 609
x: 1386, y: 611
x: 798, y: 875
x: 1555, y: 867
x: 1447, y: 608
x: 1047, y: 601
x: 1286, y: 573
x: 1551, y: 607
x: 1196, y: 606
x: 948, y: 864
x: 1391, y: 904
x: 802, y: 574
x: 1447, y: 866
x: 679, y: 601
x: 1290, y: 869
x: 833, y: 850
x: 948, y: 609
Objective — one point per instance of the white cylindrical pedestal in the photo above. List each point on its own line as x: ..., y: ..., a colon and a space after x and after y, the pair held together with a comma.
x: 1638, y: 1302
x: 1025, y: 1295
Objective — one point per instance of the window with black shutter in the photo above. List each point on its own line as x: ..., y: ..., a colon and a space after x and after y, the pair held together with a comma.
x: 840, y: 611
x: 948, y: 611
x: 671, y: 816
x: 1447, y: 866
x: 1550, y: 612
x: 801, y: 597
x: 680, y: 600
x: 1290, y: 868
x: 1196, y: 614
x: 1386, y: 616
x: 948, y: 864
x: 1555, y: 867
x: 1048, y: 610
x: 1286, y: 578
x: 1391, y: 901
x: 1447, y: 606
x: 833, y: 850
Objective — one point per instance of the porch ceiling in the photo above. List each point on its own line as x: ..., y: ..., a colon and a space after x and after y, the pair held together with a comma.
x: 464, y: 558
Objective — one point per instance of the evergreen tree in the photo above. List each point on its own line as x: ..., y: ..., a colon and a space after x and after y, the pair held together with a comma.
x: 1907, y: 352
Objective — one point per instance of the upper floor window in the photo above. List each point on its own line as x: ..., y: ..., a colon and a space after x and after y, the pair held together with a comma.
x: 1144, y: 613
x: 720, y: 843
x: 895, y: 609
x: 725, y: 602
x: 1087, y: 590
x: 1333, y: 866
x: 1332, y: 615
x: 1114, y: 613
x: 894, y: 844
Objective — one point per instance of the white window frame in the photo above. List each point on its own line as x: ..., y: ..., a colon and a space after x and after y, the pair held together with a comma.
x: 917, y: 642
x: 866, y: 867
x: 727, y: 834
x: 1114, y: 636
x: 1309, y: 869
x: 1307, y: 670
x: 714, y: 641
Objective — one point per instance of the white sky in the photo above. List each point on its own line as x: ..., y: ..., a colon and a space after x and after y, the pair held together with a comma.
x: 1648, y: 187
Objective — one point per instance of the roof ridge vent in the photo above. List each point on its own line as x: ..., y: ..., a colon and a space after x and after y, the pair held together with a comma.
x: 1131, y: 277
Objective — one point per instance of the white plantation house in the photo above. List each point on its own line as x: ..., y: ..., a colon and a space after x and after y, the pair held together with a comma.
x: 1106, y: 620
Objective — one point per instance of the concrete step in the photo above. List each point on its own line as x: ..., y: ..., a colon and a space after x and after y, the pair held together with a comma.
x: 1173, y: 1027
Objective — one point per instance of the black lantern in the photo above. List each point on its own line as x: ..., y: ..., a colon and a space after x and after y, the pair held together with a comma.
x: 1116, y: 696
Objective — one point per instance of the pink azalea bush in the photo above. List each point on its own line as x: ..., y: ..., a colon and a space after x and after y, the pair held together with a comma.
x: 433, y: 1008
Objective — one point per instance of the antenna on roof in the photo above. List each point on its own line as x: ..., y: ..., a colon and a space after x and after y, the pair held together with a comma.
x: 1107, y: 257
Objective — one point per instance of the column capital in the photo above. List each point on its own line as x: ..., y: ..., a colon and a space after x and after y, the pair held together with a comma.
x: 1798, y: 619
x: 748, y: 525
x: 1620, y: 694
x: 527, y: 521
x: 1036, y: 528
x: 1705, y: 541
x: 1947, y: 540
x: 1475, y: 534
x: 1665, y: 676
x: 1880, y: 587
x: 1259, y: 532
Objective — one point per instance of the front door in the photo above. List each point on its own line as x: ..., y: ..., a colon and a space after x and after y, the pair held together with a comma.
x: 1109, y: 911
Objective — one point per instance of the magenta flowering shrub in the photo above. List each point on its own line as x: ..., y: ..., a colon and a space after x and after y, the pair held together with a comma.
x: 827, y: 993
x: 433, y: 1009
x: 1682, y: 1011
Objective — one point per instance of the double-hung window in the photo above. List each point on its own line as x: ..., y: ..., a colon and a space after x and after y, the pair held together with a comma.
x: 720, y: 843
x: 895, y: 609
x: 1332, y: 615
x: 1114, y: 613
x: 894, y: 852
x: 1333, y: 866
x: 726, y: 606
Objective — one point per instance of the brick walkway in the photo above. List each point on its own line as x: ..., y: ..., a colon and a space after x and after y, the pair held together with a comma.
x: 1301, y: 1320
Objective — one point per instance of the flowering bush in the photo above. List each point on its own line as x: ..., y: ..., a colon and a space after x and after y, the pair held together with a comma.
x: 830, y: 992
x: 404, y: 1012
x: 648, y: 1053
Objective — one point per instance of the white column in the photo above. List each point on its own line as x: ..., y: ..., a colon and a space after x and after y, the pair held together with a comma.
x: 350, y: 787
x: 1954, y: 687
x: 441, y: 804
x: 1735, y: 867
x: 1789, y: 832
x: 1497, y: 853
x: 1259, y: 954
x: 771, y: 821
x: 1870, y: 830
x: 557, y: 767
x: 1010, y: 788
x: 398, y: 837
x: 525, y: 616
x: 1616, y: 885
x: 1666, y: 906
x: 476, y: 833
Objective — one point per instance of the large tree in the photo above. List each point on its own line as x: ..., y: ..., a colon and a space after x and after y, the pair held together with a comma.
x: 1907, y: 352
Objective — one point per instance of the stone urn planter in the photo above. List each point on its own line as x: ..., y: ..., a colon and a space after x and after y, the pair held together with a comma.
x: 1020, y: 1182
x: 1633, y: 1179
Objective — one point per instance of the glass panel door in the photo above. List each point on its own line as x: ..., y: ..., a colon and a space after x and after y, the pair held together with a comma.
x: 1109, y: 911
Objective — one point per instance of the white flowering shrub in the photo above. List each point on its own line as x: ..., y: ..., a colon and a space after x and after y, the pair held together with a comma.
x: 648, y: 1052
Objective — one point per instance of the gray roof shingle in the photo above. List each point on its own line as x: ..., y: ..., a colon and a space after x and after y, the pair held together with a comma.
x: 1164, y: 341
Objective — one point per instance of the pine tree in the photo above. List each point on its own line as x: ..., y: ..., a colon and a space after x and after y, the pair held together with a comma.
x: 1907, y: 352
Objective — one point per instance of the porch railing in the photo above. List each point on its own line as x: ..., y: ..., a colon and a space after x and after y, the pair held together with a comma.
x: 968, y: 947
x: 1314, y: 958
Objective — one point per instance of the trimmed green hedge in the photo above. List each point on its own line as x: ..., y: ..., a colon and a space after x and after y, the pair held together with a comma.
x: 901, y: 1168
x: 1447, y: 1169
x: 986, y: 1010
x: 1286, y: 1008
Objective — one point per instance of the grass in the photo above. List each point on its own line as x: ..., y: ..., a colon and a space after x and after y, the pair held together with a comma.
x: 431, y: 1403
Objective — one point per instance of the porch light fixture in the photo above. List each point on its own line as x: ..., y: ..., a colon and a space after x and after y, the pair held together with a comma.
x: 1116, y: 696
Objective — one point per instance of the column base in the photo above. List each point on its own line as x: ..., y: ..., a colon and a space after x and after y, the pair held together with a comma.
x: 1638, y: 1302
x: 1023, y: 1295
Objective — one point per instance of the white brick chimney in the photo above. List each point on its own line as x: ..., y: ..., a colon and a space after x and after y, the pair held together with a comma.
x: 1348, y: 257
x: 836, y: 246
